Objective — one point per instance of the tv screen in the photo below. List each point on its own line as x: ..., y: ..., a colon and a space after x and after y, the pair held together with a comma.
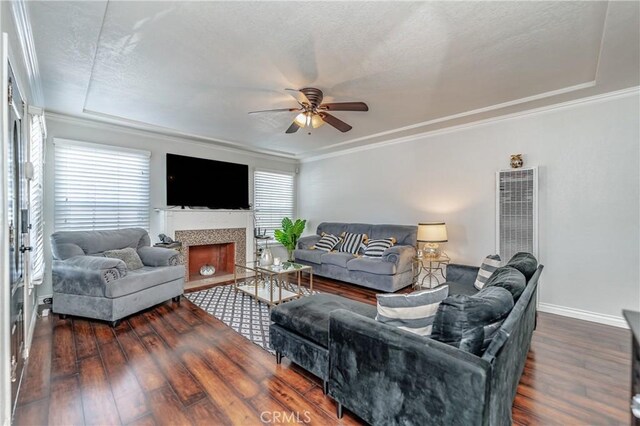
x: 197, y: 182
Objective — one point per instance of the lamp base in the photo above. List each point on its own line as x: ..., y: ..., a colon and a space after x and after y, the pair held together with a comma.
x: 431, y: 250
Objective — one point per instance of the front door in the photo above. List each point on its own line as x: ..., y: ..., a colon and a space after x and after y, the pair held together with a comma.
x: 18, y: 228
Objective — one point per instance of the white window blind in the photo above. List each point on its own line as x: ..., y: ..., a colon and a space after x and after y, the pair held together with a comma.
x: 36, y: 198
x: 100, y: 187
x: 273, y: 199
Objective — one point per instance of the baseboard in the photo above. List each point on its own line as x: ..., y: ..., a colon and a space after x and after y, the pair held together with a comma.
x: 32, y: 327
x: 41, y: 298
x: 583, y: 315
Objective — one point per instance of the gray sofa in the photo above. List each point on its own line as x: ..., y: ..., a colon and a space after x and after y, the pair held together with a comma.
x: 390, y: 273
x: 87, y: 284
x: 389, y: 376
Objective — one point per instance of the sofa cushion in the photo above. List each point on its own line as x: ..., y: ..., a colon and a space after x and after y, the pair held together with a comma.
x: 65, y: 244
x: 128, y: 255
x: 461, y: 288
x: 143, y: 278
x: 510, y: 279
x: 525, y: 263
x: 375, y: 248
x: 372, y: 265
x: 468, y: 322
x: 351, y: 242
x: 309, y: 255
x: 412, y: 312
x: 337, y: 259
x: 309, y: 316
x: 327, y: 243
x: 488, y: 267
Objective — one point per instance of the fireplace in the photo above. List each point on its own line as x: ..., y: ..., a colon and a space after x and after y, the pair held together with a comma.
x: 221, y: 256
x: 222, y: 248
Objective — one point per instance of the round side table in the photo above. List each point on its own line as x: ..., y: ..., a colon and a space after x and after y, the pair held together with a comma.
x: 433, y: 268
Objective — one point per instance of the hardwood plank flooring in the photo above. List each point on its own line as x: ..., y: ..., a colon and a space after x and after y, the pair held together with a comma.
x: 174, y: 364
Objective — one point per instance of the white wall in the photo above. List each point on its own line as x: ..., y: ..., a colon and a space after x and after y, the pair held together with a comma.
x: 588, y: 158
x: 158, y: 145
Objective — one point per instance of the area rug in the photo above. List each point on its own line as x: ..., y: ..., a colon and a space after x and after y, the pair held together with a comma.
x: 238, y: 310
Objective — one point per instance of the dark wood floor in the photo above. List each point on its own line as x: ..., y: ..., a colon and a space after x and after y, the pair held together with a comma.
x: 175, y: 364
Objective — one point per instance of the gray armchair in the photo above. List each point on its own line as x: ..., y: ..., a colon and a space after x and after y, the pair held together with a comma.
x: 87, y: 284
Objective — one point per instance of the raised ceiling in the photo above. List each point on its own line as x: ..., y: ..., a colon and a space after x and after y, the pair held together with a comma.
x: 197, y: 68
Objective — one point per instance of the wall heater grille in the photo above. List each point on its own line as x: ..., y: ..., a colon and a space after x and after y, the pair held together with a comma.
x: 517, y: 212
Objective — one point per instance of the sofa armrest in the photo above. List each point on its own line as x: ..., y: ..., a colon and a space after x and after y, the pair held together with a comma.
x: 308, y: 241
x: 390, y: 376
x: 402, y: 256
x: 86, y: 275
x: 158, y: 256
x: 462, y: 274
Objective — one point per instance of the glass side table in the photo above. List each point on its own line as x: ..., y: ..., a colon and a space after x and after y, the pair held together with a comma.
x: 433, y: 268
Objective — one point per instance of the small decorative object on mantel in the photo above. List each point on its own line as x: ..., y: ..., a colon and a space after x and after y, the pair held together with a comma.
x: 516, y: 161
x: 207, y: 270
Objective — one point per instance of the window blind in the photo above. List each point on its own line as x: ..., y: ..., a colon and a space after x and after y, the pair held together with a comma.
x: 273, y: 199
x: 36, y: 198
x: 100, y: 187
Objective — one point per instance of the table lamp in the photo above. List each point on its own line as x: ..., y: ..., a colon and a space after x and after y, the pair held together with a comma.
x: 432, y: 233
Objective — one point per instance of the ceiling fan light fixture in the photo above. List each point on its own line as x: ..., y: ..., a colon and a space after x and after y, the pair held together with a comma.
x: 316, y: 121
x: 301, y: 119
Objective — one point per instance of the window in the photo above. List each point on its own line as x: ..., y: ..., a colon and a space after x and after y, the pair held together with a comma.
x: 36, y: 198
x: 273, y: 199
x: 100, y: 187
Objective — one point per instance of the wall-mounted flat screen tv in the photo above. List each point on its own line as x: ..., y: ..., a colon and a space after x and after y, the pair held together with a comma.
x: 198, y: 182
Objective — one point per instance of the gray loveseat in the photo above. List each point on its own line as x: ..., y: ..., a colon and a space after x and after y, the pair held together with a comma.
x: 87, y: 284
x: 390, y: 273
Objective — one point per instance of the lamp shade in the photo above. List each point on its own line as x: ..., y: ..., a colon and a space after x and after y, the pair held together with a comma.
x: 432, y: 232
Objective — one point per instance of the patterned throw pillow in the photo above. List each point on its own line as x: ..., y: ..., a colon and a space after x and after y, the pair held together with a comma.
x: 327, y: 242
x: 128, y: 255
x: 375, y: 248
x: 489, y: 265
x: 351, y: 242
x: 413, y: 312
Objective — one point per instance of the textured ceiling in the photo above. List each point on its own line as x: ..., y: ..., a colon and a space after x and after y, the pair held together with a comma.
x: 198, y: 67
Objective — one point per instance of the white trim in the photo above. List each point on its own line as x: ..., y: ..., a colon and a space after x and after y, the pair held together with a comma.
x: 613, y: 320
x: 603, y: 97
x: 149, y: 130
x: 25, y: 37
x: 32, y: 327
x: 70, y: 142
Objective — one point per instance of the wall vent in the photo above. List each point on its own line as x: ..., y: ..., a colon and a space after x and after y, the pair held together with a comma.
x: 516, y: 212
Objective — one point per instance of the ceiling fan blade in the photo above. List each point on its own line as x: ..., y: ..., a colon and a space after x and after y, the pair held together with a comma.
x: 276, y: 110
x: 293, y: 128
x: 335, y: 122
x: 345, y: 106
x: 299, y: 96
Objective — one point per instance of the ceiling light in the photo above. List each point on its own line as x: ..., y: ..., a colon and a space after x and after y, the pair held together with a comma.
x: 301, y: 119
x: 316, y: 121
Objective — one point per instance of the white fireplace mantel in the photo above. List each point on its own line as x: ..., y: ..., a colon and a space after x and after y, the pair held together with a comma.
x: 171, y: 220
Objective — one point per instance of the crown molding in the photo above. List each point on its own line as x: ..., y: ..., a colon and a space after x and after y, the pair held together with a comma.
x: 541, y: 110
x: 167, y: 135
x: 25, y: 37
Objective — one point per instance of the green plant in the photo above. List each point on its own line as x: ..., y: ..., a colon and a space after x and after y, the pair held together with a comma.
x: 289, y: 234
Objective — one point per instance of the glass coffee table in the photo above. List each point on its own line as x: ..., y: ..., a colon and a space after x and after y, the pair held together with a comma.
x: 271, y: 284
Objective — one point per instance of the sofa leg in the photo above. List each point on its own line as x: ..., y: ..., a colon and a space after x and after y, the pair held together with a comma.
x: 62, y: 316
x: 176, y: 299
x: 115, y: 323
x: 325, y: 387
x: 278, y: 358
x: 339, y: 410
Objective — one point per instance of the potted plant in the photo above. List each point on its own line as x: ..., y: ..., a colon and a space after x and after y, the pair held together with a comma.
x: 289, y: 234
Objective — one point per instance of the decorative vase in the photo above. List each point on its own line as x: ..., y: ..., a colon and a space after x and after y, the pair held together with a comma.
x: 266, y: 258
x: 207, y: 270
x: 516, y: 161
x: 290, y: 257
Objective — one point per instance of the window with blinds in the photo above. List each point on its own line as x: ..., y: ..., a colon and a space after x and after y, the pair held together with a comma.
x: 273, y: 199
x: 36, y: 198
x: 100, y: 187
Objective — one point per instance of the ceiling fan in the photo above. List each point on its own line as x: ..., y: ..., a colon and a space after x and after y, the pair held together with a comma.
x: 313, y: 113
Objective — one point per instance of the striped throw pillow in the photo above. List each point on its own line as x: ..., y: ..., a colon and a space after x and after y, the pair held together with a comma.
x: 351, y: 242
x: 489, y: 264
x: 413, y: 312
x: 375, y: 248
x: 327, y: 242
